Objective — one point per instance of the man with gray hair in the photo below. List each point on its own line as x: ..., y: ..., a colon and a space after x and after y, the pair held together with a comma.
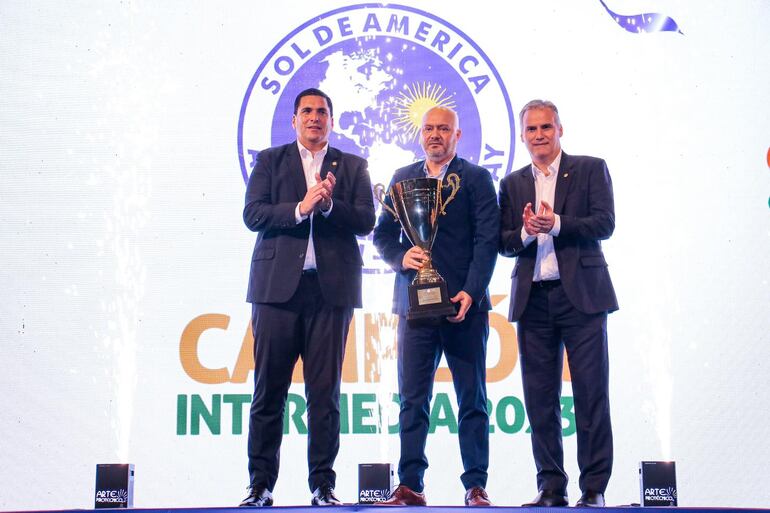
x: 464, y: 254
x: 554, y: 214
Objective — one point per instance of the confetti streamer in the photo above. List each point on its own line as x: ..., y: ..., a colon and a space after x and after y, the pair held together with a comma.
x: 644, y: 23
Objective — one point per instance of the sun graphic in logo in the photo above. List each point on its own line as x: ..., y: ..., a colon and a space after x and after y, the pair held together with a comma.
x: 413, y: 103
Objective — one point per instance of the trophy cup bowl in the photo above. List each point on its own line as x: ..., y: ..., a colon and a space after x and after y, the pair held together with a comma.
x: 417, y: 205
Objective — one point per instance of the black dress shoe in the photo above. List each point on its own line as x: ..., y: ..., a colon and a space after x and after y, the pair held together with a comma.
x: 324, y: 496
x: 258, y: 497
x: 590, y: 499
x: 548, y: 499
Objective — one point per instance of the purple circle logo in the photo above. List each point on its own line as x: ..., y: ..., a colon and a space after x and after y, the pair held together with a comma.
x: 383, y: 66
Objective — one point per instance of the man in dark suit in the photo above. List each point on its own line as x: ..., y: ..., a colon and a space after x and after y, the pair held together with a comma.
x: 308, y: 202
x: 464, y: 253
x: 560, y: 296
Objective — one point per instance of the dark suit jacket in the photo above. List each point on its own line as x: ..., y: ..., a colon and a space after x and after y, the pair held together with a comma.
x: 585, y: 203
x: 465, y: 249
x: 275, y: 187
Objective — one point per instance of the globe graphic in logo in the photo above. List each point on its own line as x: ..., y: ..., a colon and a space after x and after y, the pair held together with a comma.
x: 380, y: 87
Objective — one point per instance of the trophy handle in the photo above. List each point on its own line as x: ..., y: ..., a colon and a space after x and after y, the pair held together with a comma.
x: 379, y: 193
x: 453, y: 181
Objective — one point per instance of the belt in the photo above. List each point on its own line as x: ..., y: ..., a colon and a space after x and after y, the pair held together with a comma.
x: 546, y: 284
x: 309, y: 272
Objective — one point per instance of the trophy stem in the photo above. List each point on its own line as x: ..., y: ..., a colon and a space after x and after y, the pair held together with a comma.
x: 427, y: 274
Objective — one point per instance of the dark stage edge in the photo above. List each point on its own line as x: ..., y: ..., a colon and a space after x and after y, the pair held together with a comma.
x: 407, y: 509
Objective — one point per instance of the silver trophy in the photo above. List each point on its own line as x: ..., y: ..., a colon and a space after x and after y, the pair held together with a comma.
x: 417, y: 203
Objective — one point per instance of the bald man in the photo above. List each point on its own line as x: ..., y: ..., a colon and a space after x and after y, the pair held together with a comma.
x: 464, y: 254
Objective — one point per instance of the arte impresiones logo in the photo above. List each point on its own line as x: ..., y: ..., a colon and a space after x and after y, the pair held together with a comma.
x: 112, y: 496
x: 660, y: 494
x: 383, y: 66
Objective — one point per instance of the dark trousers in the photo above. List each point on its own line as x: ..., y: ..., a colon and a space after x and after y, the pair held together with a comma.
x: 305, y: 326
x: 420, y: 347
x: 549, y: 325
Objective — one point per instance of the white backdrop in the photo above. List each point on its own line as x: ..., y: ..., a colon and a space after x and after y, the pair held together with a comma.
x: 120, y: 224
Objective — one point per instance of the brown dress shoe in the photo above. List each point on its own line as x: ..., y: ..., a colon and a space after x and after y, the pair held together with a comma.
x: 477, y: 496
x: 404, y: 496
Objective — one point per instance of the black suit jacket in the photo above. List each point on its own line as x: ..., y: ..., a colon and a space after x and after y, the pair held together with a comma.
x: 465, y: 249
x: 276, y: 185
x: 584, y: 201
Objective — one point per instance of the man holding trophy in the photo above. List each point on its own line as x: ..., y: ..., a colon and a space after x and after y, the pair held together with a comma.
x: 439, y: 231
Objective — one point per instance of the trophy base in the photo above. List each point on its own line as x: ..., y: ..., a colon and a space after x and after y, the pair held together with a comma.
x: 429, y: 300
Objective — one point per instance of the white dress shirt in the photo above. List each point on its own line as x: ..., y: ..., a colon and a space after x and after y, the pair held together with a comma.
x: 546, y: 265
x: 311, y: 164
x: 441, y: 173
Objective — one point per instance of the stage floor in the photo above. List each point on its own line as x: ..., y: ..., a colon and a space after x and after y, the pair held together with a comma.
x: 410, y: 509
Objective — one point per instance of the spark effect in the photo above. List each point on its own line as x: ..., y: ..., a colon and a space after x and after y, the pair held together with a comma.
x: 414, y: 102
x: 643, y: 23
x: 385, y: 372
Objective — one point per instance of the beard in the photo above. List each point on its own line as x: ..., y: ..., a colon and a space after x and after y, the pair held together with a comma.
x: 437, y: 152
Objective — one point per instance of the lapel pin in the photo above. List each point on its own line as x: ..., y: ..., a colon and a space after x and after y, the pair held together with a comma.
x: 565, y: 175
x: 334, y: 164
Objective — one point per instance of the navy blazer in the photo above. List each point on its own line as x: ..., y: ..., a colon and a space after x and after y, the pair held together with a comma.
x: 275, y: 187
x: 465, y: 249
x: 584, y: 201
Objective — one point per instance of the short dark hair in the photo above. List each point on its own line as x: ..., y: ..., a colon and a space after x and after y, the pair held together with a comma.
x: 539, y: 104
x: 313, y: 92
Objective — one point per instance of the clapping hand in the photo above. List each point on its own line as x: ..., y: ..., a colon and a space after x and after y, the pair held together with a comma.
x: 542, y: 222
